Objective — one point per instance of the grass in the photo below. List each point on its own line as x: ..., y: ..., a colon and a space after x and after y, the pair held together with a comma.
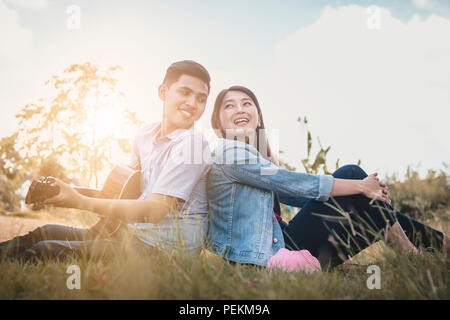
x: 64, y: 216
x: 209, y: 277
x: 131, y: 275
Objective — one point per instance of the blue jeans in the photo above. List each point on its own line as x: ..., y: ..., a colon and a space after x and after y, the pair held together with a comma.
x: 54, y: 241
x: 333, y: 238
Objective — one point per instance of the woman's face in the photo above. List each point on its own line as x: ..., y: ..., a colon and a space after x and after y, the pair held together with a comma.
x: 238, y: 112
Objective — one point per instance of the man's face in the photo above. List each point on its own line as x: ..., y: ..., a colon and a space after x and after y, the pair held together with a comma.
x: 184, y: 101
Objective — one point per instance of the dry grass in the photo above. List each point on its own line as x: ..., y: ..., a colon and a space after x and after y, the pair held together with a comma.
x: 131, y: 275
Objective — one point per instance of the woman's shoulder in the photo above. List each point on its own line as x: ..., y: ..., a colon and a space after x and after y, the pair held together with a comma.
x: 232, y: 150
x: 224, y: 145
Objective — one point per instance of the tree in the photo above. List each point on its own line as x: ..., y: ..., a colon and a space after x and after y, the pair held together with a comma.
x: 13, y: 169
x: 63, y: 133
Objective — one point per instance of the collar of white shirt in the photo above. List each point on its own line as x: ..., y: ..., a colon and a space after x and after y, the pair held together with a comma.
x: 174, y: 134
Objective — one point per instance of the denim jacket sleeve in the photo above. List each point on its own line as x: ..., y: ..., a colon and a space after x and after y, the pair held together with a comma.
x: 242, y: 163
x: 293, y: 201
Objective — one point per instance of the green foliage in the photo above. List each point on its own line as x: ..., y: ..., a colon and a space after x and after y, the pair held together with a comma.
x: 317, y: 164
x: 50, y: 166
x: 427, y: 198
x: 319, y: 161
x: 13, y: 170
x: 58, y: 137
x: 129, y: 275
x: 64, y: 128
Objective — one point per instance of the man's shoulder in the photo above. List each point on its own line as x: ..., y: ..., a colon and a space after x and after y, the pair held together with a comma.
x: 147, y: 128
x: 191, y: 135
x: 145, y: 131
x: 192, y: 146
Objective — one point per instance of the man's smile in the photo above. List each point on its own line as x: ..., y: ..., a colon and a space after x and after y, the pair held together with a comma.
x: 186, y: 112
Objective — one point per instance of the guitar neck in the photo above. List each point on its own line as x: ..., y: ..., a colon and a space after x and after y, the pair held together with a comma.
x: 91, y: 193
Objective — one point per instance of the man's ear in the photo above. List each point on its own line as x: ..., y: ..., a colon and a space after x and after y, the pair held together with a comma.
x: 162, y: 92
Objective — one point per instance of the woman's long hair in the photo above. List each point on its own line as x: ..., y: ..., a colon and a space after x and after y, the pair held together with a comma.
x: 261, y: 137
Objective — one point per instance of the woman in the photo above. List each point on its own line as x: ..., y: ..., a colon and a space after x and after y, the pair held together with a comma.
x: 341, y: 213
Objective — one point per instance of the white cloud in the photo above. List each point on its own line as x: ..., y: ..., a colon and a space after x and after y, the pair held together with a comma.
x: 15, y: 41
x: 29, y: 3
x: 422, y: 4
x: 377, y: 95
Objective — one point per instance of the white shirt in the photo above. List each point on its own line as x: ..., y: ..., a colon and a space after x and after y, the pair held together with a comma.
x: 175, y: 165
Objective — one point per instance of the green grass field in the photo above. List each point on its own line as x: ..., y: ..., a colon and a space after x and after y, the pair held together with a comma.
x: 129, y: 275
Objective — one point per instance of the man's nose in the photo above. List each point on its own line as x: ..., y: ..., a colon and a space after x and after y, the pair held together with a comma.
x: 191, y: 101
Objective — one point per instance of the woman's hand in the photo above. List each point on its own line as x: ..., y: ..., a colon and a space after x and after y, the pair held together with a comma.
x: 67, y: 197
x: 375, y: 189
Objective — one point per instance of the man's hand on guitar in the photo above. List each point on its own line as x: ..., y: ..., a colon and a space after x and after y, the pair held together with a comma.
x: 67, y: 197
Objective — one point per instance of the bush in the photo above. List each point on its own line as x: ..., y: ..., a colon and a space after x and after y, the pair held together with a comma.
x: 423, y: 199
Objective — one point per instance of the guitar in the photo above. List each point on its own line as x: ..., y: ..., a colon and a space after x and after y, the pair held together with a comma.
x: 121, y: 183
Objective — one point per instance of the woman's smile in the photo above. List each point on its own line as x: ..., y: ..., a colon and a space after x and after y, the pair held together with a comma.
x: 241, y: 121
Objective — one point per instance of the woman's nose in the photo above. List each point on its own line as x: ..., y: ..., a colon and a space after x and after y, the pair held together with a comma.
x: 239, y: 107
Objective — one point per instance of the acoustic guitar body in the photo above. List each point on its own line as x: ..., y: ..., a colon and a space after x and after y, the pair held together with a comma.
x: 122, y: 183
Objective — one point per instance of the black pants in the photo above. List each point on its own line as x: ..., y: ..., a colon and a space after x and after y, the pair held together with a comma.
x: 58, y: 242
x: 332, y: 237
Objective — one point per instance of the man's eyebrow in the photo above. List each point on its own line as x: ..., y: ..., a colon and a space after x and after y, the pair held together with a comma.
x: 190, y: 90
x: 185, y: 88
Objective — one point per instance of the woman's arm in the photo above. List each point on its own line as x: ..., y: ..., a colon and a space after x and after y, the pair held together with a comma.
x: 244, y: 164
x: 345, y: 187
x: 293, y: 201
x: 371, y: 187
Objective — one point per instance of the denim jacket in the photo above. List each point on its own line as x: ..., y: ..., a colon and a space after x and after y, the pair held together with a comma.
x: 241, y: 187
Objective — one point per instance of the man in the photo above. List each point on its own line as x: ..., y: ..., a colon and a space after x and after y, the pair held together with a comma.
x: 171, y: 212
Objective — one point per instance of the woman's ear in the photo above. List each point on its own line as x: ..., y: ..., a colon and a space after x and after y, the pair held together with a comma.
x: 162, y: 91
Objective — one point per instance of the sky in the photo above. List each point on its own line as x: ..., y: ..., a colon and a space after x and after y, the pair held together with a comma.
x: 372, y: 77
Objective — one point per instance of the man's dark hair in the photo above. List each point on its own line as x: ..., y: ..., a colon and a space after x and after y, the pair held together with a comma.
x: 188, y: 67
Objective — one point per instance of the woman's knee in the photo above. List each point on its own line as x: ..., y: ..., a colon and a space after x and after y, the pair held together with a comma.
x: 350, y: 171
